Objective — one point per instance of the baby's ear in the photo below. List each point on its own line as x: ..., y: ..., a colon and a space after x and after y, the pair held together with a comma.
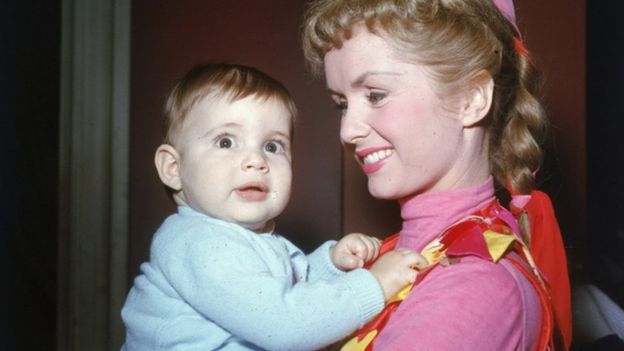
x: 168, y: 166
x: 478, y: 99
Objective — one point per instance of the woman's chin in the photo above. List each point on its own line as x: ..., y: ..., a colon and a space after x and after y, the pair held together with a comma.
x: 382, y: 194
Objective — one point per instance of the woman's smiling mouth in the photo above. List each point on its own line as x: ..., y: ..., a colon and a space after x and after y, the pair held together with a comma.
x: 372, y: 159
x: 376, y: 156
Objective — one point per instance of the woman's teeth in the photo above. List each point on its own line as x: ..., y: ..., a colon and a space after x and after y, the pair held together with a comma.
x: 376, y: 156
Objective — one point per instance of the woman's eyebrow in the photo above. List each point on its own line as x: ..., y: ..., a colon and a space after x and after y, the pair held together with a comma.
x: 359, y: 81
x: 362, y: 77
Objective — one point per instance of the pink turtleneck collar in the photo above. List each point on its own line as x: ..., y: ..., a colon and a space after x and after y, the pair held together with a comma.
x: 425, y: 216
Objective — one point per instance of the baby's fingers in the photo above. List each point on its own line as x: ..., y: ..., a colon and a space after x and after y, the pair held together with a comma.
x: 365, y: 247
x: 349, y: 262
x: 376, y: 248
x: 373, y: 246
x: 413, y: 259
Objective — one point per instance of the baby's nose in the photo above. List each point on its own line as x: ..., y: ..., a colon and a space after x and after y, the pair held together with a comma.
x: 255, y: 160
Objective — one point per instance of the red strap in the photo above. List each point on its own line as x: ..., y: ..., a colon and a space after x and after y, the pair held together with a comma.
x: 545, y: 338
x: 549, y: 254
x: 387, y: 244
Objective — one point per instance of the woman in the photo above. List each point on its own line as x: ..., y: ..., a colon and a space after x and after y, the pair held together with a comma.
x: 438, y: 101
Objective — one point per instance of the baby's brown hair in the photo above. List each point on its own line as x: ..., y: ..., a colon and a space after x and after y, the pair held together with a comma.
x: 220, y: 80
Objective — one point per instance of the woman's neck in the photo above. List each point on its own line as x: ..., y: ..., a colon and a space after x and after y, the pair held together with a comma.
x: 425, y: 216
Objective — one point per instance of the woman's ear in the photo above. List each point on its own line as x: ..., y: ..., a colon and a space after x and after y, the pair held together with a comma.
x: 478, y: 99
x: 168, y: 166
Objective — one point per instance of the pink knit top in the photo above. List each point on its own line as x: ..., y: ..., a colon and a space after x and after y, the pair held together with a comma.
x: 471, y: 305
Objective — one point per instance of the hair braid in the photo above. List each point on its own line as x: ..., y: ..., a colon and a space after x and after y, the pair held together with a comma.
x: 517, y: 135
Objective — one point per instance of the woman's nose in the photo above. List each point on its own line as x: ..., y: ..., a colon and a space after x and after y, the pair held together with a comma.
x: 353, y: 126
x: 255, y: 160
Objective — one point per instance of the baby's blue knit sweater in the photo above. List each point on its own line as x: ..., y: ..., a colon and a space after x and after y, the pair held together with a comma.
x: 214, y: 285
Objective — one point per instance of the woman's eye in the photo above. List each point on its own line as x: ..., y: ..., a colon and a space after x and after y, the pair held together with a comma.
x: 225, y: 142
x: 274, y: 147
x: 340, y: 103
x: 375, y: 97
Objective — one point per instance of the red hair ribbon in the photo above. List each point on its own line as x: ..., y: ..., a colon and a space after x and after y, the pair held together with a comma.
x: 520, y: 48
x: 547, y: 249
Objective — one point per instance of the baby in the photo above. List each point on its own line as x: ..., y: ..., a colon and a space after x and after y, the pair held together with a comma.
x: 218, y: 276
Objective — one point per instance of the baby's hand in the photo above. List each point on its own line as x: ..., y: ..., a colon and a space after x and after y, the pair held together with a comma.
x: 396, y: 269
x: 353, y: 250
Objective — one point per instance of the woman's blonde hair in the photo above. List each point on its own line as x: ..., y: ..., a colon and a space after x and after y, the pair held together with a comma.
x: 454, y: 40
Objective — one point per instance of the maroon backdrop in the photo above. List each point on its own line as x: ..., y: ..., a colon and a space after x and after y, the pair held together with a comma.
x: 169, y: 37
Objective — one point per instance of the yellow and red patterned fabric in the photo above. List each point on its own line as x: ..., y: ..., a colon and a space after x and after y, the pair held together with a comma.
x: 486, y: 234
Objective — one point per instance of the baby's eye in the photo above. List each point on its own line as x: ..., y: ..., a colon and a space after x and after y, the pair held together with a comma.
x: 375, y: 97
x: 274, y: 147
x: 225, y: 142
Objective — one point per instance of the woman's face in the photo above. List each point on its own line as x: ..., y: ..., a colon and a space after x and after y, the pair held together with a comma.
x: 406, y: 139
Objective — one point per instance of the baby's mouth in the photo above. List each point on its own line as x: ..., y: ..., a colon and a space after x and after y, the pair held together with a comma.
x: 252, y: 191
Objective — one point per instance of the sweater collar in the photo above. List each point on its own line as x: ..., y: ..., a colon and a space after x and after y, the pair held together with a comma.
x: 425, y: 216
x: 186, y: 210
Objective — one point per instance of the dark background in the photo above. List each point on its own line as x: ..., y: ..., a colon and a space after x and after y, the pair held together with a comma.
x: 605, y: 146
x: 29, y: 119
x: 583, y: 173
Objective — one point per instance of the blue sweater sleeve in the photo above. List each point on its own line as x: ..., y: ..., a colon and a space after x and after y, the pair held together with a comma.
x: 232, y: 279
x: 319, y: 263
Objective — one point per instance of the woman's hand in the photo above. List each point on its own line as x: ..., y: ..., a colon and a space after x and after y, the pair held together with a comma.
x: 396, y: 269
x: 353, y: 250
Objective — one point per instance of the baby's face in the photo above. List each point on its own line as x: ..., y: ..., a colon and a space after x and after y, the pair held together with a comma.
x: 235, y: 159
